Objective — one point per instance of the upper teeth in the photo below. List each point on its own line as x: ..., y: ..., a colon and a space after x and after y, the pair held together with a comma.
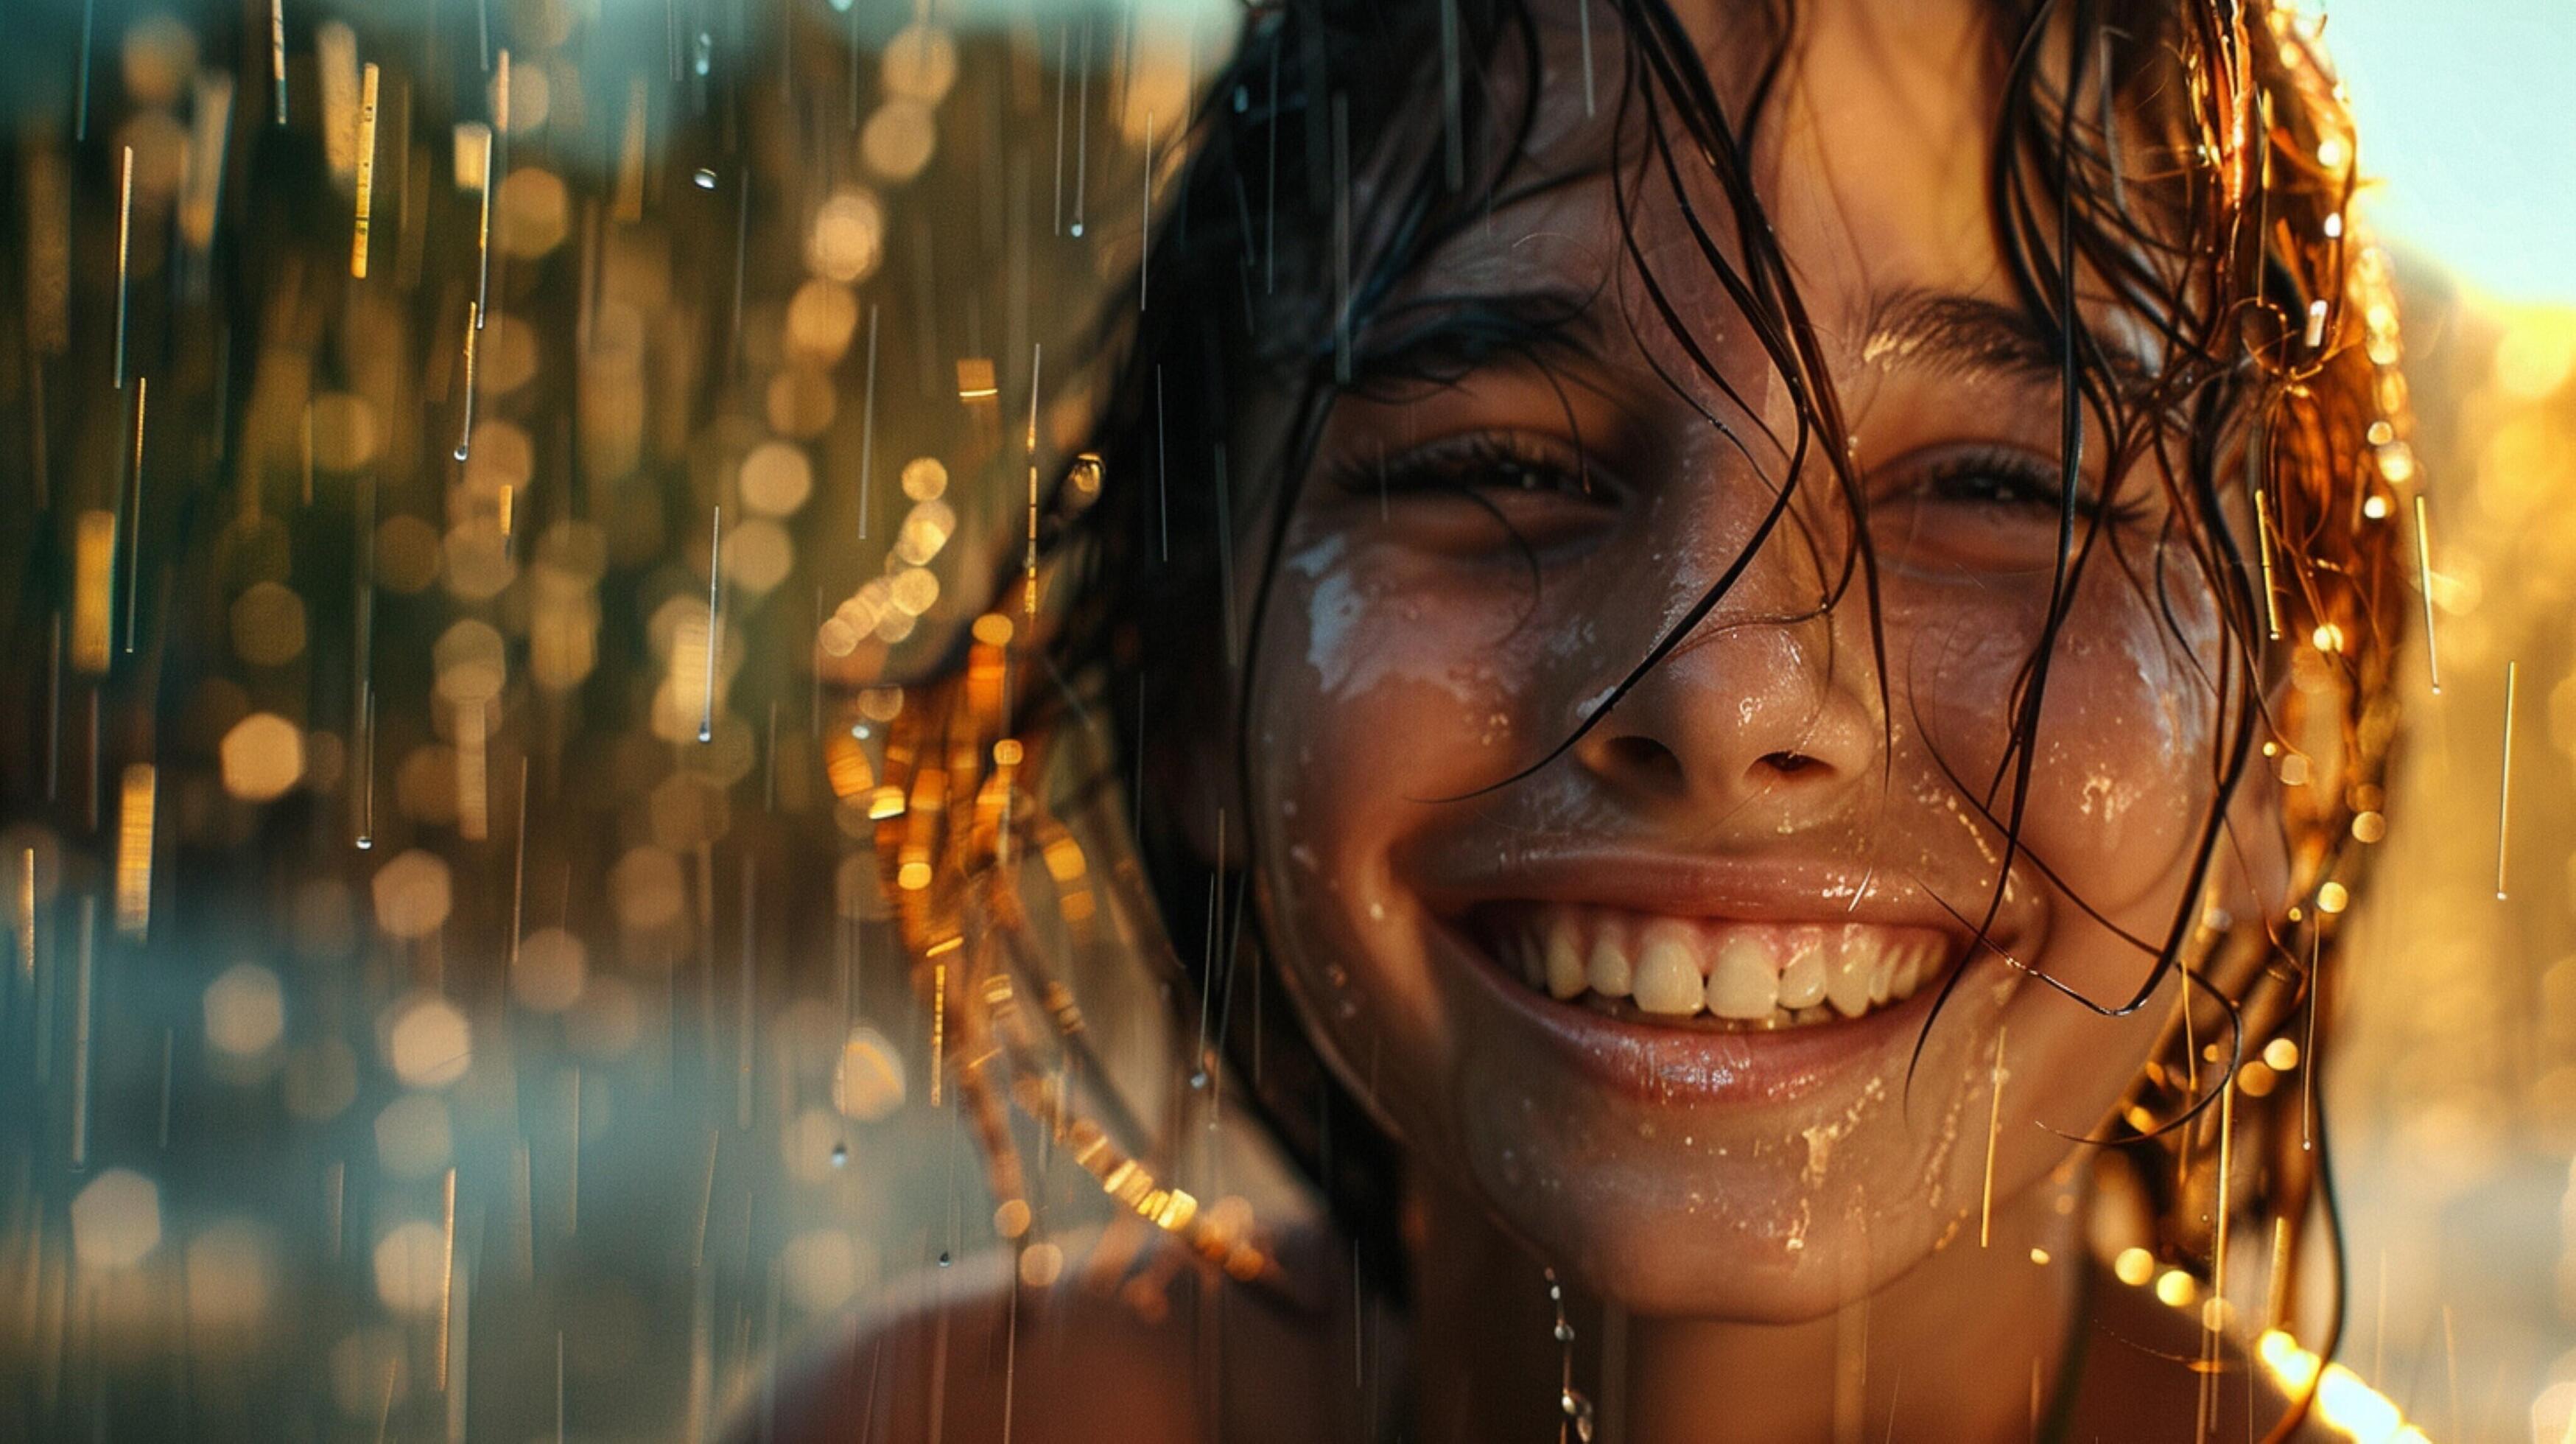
x: 1758, y: 974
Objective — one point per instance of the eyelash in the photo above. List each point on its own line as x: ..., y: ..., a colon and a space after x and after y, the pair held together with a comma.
x: 1487, y: 461
x: 2030, y: 483
x: 1483, y: 461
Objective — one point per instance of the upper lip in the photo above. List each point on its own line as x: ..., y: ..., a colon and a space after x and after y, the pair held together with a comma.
x: 1732, y: 888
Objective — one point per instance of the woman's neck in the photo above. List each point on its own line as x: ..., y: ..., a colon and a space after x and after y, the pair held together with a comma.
x: 1968, y: 1344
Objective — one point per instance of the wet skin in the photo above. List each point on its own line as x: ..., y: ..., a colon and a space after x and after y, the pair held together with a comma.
x: 1425, y: 644
x: 1470, y: 568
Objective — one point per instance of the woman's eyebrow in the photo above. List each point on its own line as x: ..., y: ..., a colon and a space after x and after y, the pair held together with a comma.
x: 1950, y: 331
x: 1446, y: 336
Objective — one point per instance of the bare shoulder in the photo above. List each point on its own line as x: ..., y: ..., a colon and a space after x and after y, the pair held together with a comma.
x: 966, y: 1354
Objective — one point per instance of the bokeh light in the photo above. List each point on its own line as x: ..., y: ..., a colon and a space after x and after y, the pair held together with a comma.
x: 428, y: 1043
x: 116, y: 1220
x: 245, y: 1011
x: 263, y: 756
x: 490, y: 815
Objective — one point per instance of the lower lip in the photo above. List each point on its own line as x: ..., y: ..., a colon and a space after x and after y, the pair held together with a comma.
x: 1684, y: 1067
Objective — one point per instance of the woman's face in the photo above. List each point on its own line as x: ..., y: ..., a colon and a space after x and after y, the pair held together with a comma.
x: 1656, y: 1001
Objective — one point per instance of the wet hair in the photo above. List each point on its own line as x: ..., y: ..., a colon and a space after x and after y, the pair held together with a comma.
x: 2190, y: 158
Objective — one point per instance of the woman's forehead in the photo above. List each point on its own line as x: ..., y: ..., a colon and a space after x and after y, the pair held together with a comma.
x: 1873, y: 165
x: 1879, y: 141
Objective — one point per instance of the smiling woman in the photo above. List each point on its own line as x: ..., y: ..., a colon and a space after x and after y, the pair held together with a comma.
x: 1772, y: 621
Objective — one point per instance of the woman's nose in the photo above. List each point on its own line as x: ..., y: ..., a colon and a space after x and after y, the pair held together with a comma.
x: 1739, y: 714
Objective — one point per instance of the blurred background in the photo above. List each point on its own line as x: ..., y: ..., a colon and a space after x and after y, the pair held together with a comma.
x: 449, y: 991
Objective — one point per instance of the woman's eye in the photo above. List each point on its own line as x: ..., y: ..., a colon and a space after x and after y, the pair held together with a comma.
x: 1985, y: 511
x: 1507, y: 463
x: 1519, y: 476
x: 2004, y: 484
x: 1487, y: 492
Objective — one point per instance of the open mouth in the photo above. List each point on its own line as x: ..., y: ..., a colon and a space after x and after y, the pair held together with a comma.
x: 1711, y: 973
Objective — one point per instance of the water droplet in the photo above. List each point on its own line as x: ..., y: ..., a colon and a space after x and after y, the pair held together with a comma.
x: 705, y: 178
x: 943, y: 1258
x: 840, y: 1154
x: 1077, y: 228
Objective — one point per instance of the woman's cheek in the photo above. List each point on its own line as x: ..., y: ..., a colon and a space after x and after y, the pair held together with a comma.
x: 1380, y: 693
x: 2120, y: 776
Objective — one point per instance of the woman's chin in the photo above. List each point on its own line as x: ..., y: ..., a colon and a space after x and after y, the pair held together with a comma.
x: 1637, y: 1265
x: 1739, y: 1235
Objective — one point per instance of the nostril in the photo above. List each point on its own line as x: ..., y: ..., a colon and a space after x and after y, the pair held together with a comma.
x: 1646, y: 760
x: 1788, y: 764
